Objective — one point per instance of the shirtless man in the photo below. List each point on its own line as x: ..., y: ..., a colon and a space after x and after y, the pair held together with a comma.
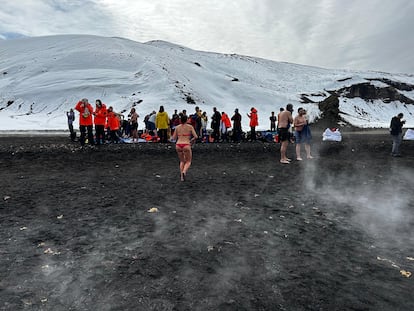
x: 285, y: 120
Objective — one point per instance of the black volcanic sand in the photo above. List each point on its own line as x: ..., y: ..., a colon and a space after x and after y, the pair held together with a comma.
x: 243, y: 232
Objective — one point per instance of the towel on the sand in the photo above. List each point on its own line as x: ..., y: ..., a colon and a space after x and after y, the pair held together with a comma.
x: 409, y: 135
x: 332, y: 134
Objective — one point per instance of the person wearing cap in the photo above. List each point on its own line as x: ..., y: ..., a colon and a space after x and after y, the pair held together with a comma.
x: 396, y: 133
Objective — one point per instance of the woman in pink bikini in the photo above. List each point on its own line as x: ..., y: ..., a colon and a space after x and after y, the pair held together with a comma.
x: 185, y: 136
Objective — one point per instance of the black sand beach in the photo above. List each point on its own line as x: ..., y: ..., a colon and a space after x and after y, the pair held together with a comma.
x: 243, y: 232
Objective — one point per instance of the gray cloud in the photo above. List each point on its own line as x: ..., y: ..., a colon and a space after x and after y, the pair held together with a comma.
x: 372, y: 34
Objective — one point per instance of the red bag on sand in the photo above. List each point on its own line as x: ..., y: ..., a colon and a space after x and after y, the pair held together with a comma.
x: 277, y: 138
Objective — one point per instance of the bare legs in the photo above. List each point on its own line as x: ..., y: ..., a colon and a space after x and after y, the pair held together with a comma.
x: 283, y: 148
x: 185, y: 156
x: 298, y: 157
x: 307, y: 149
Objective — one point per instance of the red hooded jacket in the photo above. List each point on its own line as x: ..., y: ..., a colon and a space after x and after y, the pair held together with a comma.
x: 85, y: 110
x: 253, y: 118
x: 100, y: 115
x: 226, y: 120
x: 113, y: 121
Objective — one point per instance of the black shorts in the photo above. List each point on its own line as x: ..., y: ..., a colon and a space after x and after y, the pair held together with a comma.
x: 284, y: 134
x: 134, y: 126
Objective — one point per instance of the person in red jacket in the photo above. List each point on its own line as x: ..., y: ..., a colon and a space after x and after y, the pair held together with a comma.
x: 225, y: 125
x: 85, y: 121
x: 253, y: 123
x: 100, y: 120
x: 113, y: 124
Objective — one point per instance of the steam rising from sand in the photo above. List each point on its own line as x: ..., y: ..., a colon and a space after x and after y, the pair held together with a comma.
x: 378, y: 201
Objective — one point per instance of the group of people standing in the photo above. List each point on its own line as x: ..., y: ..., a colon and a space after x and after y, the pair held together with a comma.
x: 302, y: 133
x: 187, y: 129
x: 105, y: 120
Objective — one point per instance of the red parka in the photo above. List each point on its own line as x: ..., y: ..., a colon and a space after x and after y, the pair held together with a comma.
x: 113, y: 121
x: 253, y: 118
x: 85, y: 109
x: 100, y: 115
x: 226, y: 120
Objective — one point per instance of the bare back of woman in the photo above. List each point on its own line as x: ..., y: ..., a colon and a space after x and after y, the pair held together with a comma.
x: 184, y: 135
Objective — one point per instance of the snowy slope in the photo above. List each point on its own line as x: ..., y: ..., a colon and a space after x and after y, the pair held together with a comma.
x: 41, y: 78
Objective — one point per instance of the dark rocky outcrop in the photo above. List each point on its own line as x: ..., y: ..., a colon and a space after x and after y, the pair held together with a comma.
x: 190, y: 100
x: 329, y: 112
x: 398, y: 85
x: 306, y: 100
x: 370, y: 92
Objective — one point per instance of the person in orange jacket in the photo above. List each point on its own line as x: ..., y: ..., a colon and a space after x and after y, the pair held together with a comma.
x: 85, y: 121
x: 253, y: 123
x: 113, y: 124
x: 225, y: 125
x: 99, y: 120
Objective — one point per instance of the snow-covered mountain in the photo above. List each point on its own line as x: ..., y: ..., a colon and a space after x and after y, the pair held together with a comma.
x: 42, y: 78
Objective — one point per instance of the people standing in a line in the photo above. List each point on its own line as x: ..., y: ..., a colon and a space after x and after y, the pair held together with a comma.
x: 285, y: 120
x: 85, y: 121
x: 273, y: 120
x: 162, y: 122
x: 184, y: 135
x: 100, y: 120
x: 71, y: 118
x: 133, y: 124
x: 237, y: 128
x: 215, y: 124
x: 302, y: 134
x: 225, y: 124
x: 254, y: 121
x: 114, y: 124
x: 396, y: 133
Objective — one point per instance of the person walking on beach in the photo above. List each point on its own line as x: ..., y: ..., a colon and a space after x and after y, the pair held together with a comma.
x: 396, y: 133
x: 184, y: 135
x: 285, y: 120
x: 302, y: 134
x: 162, y: 122
x: 71, y: 118
x: 85, y: 121
x: 100, y: 120
x: 253, y: 123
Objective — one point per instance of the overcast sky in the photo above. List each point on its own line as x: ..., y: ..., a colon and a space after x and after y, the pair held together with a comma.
x: 345, y: 34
